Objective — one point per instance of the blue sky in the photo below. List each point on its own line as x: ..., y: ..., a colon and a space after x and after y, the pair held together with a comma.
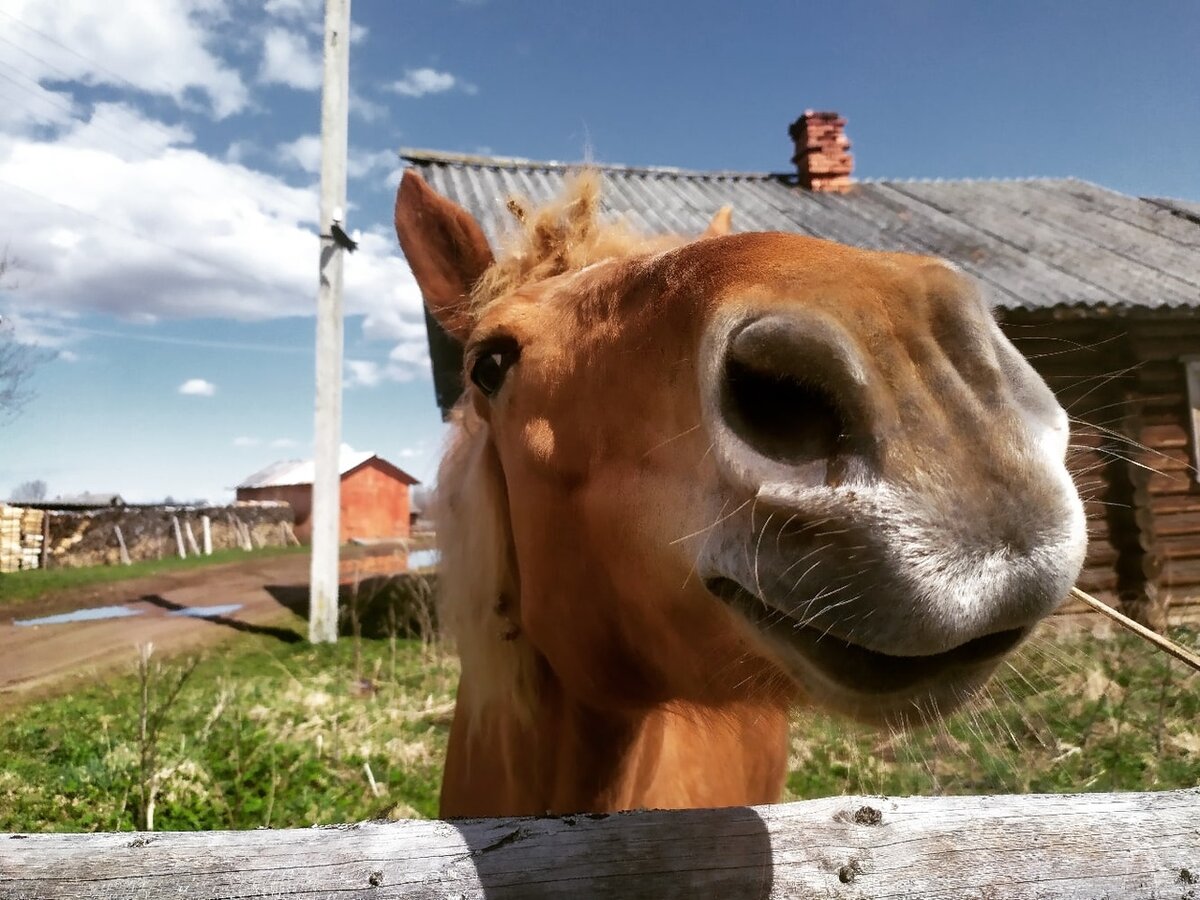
x: 158, y: 173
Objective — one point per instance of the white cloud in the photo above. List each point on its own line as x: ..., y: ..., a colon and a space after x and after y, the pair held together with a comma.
x: 311, y: 12
x: 283, y: 443
x: 244, y: 441
x: 406, y: 361
x: 367, y: 110
x: 197, y: 235
x: 197, y: 387
x: 366, y: 162
x: 122, y: 131
x: 304, y: 153
x: 240, y: 151
x: 419, y: 82
x: 363, y: 373
x: 154, y: 46
x: 296, y: 9
x: 289, y: 58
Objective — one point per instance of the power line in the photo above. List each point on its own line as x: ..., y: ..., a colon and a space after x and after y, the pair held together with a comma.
x: 51, y: 99
x: 67, y: 76
x: 185, y: 342
x: 87, y: 59
x: 223, y: 266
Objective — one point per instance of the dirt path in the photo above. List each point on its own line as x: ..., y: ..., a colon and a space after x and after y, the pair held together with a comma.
x: 174, y: 611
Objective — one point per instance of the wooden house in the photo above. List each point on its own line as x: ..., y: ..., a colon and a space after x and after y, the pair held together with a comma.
x: 1099, y: 289
x: 374, y: 495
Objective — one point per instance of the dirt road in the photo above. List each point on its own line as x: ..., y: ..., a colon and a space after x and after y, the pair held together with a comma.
x: 176, y: 611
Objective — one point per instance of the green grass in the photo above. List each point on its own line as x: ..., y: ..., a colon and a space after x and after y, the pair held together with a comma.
x: 35, y: 583
x: 264, y: 732
x: 1069, y: 712
x: 260, y: 733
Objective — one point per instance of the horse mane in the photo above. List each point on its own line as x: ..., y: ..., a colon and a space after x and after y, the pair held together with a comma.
x: 478, y: 587
x: 477, y: 578
x: 563, y: 235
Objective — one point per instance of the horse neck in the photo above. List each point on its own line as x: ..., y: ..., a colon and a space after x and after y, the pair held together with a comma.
x: 568, y: 757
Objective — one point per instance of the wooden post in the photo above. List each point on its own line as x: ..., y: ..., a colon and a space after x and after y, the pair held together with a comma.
x: 179, y: 538
x: 323, y: 590
x: 206, y: 529
x: 44, y: 559
x: 122, y: 549
x: 1127, y: 846
x: 191, y: 538
x: 243, y: 534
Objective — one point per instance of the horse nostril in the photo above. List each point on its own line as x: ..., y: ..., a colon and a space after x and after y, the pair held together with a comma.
x: 779, y: 392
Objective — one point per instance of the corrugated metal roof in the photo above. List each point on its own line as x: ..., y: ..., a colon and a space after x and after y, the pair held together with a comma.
x: 1033, y: 244
x: 1185, y: 208
x: 301, y: 471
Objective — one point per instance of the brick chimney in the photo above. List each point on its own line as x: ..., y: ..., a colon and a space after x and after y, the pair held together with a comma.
x: 822, y: 151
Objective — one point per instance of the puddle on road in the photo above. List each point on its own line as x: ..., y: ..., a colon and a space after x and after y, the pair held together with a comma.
x: 206, y: 612
x: 121, y: 612
x: 419, y: 559
x: 83, y: 615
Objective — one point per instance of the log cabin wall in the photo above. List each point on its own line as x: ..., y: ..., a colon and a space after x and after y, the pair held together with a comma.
x: 1170, y: 495
x: 1121, y: 380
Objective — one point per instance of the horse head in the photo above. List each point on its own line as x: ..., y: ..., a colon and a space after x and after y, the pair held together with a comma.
x: 749, y: 468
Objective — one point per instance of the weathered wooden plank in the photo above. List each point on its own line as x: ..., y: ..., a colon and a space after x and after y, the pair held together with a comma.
x: 1181, y: 574
x: 1165, y: 504
x: 1163, y: 437
x: 1095, y: 580
x: 1090, y: 845
x: 1177, y: 524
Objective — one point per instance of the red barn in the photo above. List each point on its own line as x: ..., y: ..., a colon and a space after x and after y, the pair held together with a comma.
x: 375, y: 494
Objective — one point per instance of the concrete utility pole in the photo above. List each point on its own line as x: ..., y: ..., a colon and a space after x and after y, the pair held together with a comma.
x: 326, y: 500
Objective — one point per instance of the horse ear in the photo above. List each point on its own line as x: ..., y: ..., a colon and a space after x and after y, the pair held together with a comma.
x: 721, y: 224
x: 446, y: 250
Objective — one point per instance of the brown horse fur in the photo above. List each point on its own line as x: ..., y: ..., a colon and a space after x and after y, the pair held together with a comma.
x: 699, y: 483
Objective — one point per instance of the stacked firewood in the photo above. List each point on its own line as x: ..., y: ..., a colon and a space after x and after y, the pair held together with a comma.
x: 20, y: 538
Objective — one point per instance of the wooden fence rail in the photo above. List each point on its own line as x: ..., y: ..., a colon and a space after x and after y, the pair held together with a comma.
x: 1119, y: 846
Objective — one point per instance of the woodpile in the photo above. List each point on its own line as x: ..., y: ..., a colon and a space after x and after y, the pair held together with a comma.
x: 20, y: 538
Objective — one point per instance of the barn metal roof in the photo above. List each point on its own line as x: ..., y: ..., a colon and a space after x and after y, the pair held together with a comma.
x: 301, y: 471
x: 1186, y: 209
x: 1033, y: 244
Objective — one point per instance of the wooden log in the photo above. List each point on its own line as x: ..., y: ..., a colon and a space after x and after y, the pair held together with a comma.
x: 45, y: 549
x: 122, y: 550
x: 1166, y: 437
x: 1129, y: 846
x: 179, y: 538
x: 191, y: 537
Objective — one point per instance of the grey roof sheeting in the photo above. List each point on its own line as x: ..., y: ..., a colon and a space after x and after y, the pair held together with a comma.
x: 1186, y: 209
x: 1034, y: 244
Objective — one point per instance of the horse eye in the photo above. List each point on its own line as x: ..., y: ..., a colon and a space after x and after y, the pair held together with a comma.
x: 492, y: 365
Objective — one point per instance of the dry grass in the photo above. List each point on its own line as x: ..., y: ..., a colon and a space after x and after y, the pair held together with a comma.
x: 1074, y: 710
x: 264, y: 733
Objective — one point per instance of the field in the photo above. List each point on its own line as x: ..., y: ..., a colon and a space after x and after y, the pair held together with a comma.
x: 33, y: 584
x: 261, y: 732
